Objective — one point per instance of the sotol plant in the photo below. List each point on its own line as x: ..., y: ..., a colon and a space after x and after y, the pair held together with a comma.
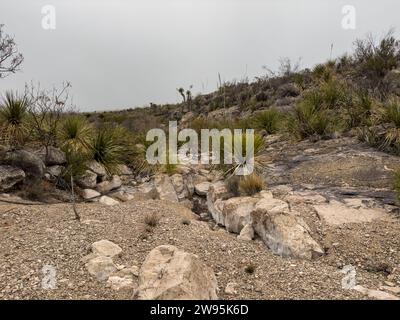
x: 13, y: 116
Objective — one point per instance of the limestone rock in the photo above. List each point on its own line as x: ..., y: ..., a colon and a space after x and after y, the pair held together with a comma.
x: 172, y: 274
x: 31, y: 163
x: 55, y: 170
x: 53, y: 157
x: 107, y: 186
x: 247, y: 233
x: 236, y: 213
x: 165, y: 189
x: 375, y: 294
x: 106, y: 248
x: 97, y: 168
x: 336, y: 213
x: 283, y: 232
x: 89, y: 194
x: 202, y: 188
x: 101, y: 267
x: 120, y: 283
x: 108, y: 201
x: 88, y: 180
x: 10, y: 176
x: 217, y: 192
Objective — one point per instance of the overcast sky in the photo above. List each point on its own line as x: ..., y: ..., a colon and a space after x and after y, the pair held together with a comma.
x: 127, y: 53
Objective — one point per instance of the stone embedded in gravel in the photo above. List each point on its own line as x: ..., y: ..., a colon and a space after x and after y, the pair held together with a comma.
x: 120, y: 283
x: 202, y: 188
x: 247, y: 233
x: 165, y: 189
x: 172, y: 274
x: 107, y: 186
x: 108, y: 201
x: 101, y: 267
x: 89, y: 194
x: 282, y: 231
x: 88, y: 180
x: 9, y: 176
x: 106, y: 248
x: 375, y: 294
x: 122, y: 195
x: 231, y: 288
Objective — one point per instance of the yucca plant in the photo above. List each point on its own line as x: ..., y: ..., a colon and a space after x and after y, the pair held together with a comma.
x: 13, y: 115
x: 268, y: 120
x: 310, y: 120
x: 108, y: 149
x: 392, y: 112
x: 75, y: 132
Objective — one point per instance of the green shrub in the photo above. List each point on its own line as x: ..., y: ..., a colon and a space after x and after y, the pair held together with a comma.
x: 310, y: 119
x: 13, y: 119
x: 268, y: 120
x: 374, y: 59
x: 359, y: 110
x: 392, y: 112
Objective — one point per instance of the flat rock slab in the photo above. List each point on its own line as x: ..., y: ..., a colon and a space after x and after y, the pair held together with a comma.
x: 337, y: 213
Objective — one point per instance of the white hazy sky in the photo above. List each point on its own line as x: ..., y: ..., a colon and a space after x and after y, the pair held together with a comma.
x: 127, y: 53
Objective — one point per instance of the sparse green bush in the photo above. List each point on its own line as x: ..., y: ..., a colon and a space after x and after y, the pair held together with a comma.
x: 76, y: 163
x: 13, y: 119
x: 310, y: 119
x: 374, y: 59
x: 358, y: 110
x: 268, y: 120
x: 392, y: 112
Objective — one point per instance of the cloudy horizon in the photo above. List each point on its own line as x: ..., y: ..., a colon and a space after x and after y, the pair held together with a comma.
x: 121, y: 54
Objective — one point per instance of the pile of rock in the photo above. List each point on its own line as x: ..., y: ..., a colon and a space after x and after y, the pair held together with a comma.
x: 17, y: 166
x: 101, y: 266
x: 167, y: 273
x: 282, y: 230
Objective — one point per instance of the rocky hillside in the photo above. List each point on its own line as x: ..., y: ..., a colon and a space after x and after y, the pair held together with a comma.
x: 85, y: 217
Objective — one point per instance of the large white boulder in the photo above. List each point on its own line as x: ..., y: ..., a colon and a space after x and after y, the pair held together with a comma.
x: 172, y: 274
x: 282, y: 231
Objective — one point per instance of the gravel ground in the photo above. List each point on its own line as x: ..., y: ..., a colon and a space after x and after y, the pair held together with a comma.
x: 34, y: 236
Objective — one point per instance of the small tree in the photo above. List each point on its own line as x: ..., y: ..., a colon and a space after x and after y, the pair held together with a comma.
x: 10, y: 58
x: 46, y: 108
